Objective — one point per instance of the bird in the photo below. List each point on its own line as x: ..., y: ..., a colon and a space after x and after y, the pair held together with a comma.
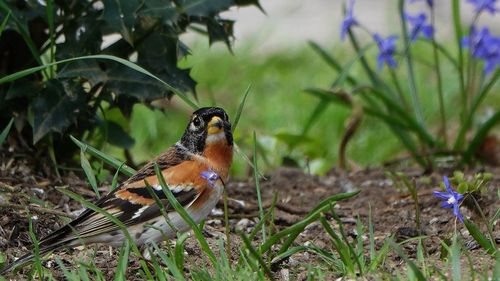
x: 194, y: 168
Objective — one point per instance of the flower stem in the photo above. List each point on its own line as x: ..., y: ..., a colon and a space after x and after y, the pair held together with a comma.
x: 409, y: 63
x: 439, y: 84
x: 483, y: 218
x: 399, y: 90
x: 455, y: 7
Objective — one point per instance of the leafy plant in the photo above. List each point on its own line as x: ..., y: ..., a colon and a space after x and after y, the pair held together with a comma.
x: 397, y: 101
x: 75, y: 96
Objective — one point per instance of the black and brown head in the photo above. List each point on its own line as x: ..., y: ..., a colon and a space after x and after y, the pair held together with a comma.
x: 207, y: 124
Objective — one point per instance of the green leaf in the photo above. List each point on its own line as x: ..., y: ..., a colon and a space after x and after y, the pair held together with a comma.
x: 4, y: 22
x: 117, y: 136
x: 331, y: 61
x: 87, y: 69
x: 6, y: 131
x: 203, y: 7
x: 220, y: 30
x: 480, y: 238
x: 106, y: 158
x: 120, y: 15
x: 481, y: 134
x: 89, y: 172
x: 56, y: 108
x: 237, y: 116
x: 23, y: 73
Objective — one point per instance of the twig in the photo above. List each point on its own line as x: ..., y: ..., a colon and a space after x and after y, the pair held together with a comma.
x: 36, y: 209
x: 7, y: 187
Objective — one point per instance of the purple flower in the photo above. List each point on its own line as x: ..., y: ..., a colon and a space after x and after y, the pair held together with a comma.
x: 387, y: 48
x: 211, y: 176
x: 430, y: 3
x: 348, y: 21
x: 451, y: 199
x: 483, y: 46
x: 481, y: 5
x: 418, y: 25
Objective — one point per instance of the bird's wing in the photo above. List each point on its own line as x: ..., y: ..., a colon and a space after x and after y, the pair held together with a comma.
x: 132, y: 203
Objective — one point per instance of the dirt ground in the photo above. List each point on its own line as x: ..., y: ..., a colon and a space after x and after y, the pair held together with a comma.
x: 24, y: 180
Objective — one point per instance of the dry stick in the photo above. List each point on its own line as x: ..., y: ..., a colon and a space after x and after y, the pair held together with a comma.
x: 36, y: 209
x: 7, y: 187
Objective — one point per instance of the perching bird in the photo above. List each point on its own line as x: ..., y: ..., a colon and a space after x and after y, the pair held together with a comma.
x: 194, y: 169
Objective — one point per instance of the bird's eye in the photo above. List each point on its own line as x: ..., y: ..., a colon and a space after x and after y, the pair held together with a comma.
x: 197, y: 122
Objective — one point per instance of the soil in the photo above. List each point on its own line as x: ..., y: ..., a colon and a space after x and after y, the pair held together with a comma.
x: 27, y: 179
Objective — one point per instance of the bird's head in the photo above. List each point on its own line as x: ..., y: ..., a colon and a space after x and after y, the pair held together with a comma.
x: 207, y: 125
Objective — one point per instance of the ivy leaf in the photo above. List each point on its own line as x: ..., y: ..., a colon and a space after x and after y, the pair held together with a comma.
x: 117, y: 136
x: 120, y: 15
x: 57, y: 107
x: 87, y: 69
x: 220, y: 30
x: 122, y: 80
x: 204, y: 8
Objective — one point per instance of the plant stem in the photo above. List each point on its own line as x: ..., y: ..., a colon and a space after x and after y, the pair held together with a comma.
x: 399, y: 90
x: 409, y: 63
x: 455, y: 7
x: 483, y: 218
x: 439, y: 83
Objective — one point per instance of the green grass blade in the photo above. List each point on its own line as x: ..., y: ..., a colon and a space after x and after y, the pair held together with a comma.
x: 262, y: 222
x: 455, y: 260
x: 25, y: 34
x: 36, y: 249
x: 343, y: 247
x: 496, y: 269
x: 331, y: 61
x: 67, y: 274
x: 131, y: 65
x: 179, y: 251
x: 107, y: 159
x: 237, y: 116
x: 299, y: 226
x: 288, y: 252
x: 160, y: 275
x: 467, y: 123
x: 4, y: 23
x: 185, y: 216
x: 409, y: 64
x: 479, y: 137
x: 169, y: 262
x: 256, y: 255
x: 6, y: 131
x: 257, y: 185
x: 443, y: 51
x: 89, y: 172
x: 121, y: 269
x: 457, y: 24
x: 414, y: 268
x: 113, y: 219
x: 476, y: 233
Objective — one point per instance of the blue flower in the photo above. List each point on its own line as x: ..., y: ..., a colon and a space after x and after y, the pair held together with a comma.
x: 387, y: 48
x: 418, y: 26
x: 348, y: 21
x: 211, y: 176
x: 481, y: 5
x: 430, y: 3
x: 451, y: 199
x: 483, y: 46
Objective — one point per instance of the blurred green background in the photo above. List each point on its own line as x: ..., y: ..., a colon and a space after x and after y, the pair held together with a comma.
x: 271, y: 53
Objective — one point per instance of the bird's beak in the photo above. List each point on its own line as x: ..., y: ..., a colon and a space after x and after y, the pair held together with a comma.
x: 215, y: 125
